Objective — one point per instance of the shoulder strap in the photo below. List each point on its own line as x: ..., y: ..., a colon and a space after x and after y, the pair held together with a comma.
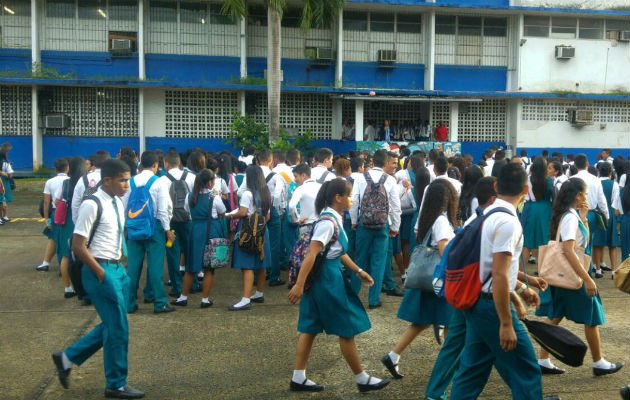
x: 170, y: 177
x: 65, y: 189
x: 368, y: 177
x: 85, y: 181
x: 184, y: 176
x: 322, y: 178
x: 270, y: 177
x: 335, y: 237
x: 383, y: 178
x: 132, y: 183
x: 99, y: 214
x: 151, y: 182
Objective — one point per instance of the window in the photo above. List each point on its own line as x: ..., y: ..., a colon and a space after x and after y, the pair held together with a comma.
x: 591, y: 28
x: 409, y: 23
x: 617, y: 25
x: 469, y: 26
x: 292, y: 18
x: 257, y: 16
x: 381, y: 22
x: 217, y: 17
x: 495, y: 27
x: 60, y: 8
x: 536, y: 26
x: 92, y: 9
x: 192, y: 13
x: 563, y: 28
x: 355, y: 21
x: 123, y: 10
x: 163, y: 11
x: 445, y: 24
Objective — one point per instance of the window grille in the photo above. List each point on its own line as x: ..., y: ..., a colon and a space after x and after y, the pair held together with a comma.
x: 15, y: 24
x: 603, y: 111
x: 110, y: 112
x: 15, y: 111
x: 440, y: 111
x: 484, y: 121
x: 197, y: 114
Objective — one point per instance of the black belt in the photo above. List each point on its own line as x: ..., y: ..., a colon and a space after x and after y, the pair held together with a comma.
x: 107, y: 261
x: 486, y: 296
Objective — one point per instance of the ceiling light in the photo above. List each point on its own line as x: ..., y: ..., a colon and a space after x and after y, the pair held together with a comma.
x: 100, y: 11
x: 203, y: 20
x: 10, y: 11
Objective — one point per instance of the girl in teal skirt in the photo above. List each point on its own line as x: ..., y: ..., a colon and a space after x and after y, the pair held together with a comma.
x: 330, y: 305
x: 200, y: 202
x: 582, y: 306
x: 537, y: 210
x: 608, y: 236
x: 6, y: 174
x: 436, y: 223
x: 622, y: 211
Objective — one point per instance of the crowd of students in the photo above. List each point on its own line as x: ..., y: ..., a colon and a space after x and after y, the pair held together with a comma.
x: 349, y: 218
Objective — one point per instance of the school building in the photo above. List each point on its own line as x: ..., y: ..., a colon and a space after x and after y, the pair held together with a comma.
x: 82, y: 75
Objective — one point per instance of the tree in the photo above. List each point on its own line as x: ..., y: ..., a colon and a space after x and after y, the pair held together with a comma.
x: 319, y: 13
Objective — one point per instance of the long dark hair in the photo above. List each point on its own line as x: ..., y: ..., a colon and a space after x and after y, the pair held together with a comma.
x: 441, y: 198
x: 76, y: 170
x: 423, y: 178
x: 328, y: 192
x: 472, y: 175
x: 226, y: 167
x: 564, y: 201
x: 257, y: 185
x: 196, y: 161
x: 625, y: 197
x: 538, y: 177
x: 202, y: 180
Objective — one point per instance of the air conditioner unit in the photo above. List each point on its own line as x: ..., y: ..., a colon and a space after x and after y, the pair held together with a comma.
x: 56, y: 121
x: 624, y: 36
x: 612, y: 35
x: 121, y: 47
x: 325, y: 54
x: 565, y: 52
x: 580, y: 117
x: 387, y: 56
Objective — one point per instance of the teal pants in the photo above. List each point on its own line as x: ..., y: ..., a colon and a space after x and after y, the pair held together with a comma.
x: 518, y: 368
x: 112, y: 334
x: 276, y: 242
x: 448, y: 359
x: 173, y: 255
x: 155, y: 249
x: 371, y: 252
x: 388, y: 278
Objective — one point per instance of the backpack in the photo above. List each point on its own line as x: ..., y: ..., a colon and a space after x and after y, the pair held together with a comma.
x: 140, y: 222
x: 270, y: 177
x: 374, y: 205
x: 89, y: 190
x: 251, y: 238
x: 74, y: 267
x: 178, y: 191
x: 322, y: 178
x: 462, y: 286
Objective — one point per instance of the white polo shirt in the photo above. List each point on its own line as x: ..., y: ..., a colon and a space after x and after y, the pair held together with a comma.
x: 276, y: 188
x: 54, y: 187
x: 324, y: 231
x: 358, y: 189
x: 106, y: 242
x: 94, y: 178
x: 570, y: 228
x: 596, y: 197
x: 317, y: 172
x: 305, y: 196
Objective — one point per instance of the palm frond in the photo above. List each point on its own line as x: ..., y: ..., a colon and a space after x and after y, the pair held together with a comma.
x: 278, y: 5
x: 320, y: 13
x: 237, y: 9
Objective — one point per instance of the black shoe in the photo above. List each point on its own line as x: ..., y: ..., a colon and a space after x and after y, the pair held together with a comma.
x: 607, y: 371
x: 551, y: 397
x: 625, y: 392
x: 148, y: 301
x: 395, y: 291
x: 166, y: 309
x: 125, y: 393
x: 242, y: 308
x: 551, y: 371
x: 605, y: 267
x: 373, y: 306
x: 69, y: 295
x: 391, y: 367
x: 174, y: 295
x: 303, y: 387
x: 258, y: 300
x: 63, y: 374
x: 42, y: 268
x: 181, y: 303
x: 367, y: 387
x: 531, y: 260
x: 437, y: 333
x: 599, y: 274
x: 206, y: 305
x: 277, y: 282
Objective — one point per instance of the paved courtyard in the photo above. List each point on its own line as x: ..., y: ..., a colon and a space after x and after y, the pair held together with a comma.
x: 215, y: 354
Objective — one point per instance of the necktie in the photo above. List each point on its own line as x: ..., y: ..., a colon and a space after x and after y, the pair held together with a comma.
x: 121, y: 239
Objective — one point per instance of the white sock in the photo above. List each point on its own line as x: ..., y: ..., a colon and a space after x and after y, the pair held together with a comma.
x: 205, y: 300
x: 394, y: 357
x: 68, y: 290
x: 244, y: 301
x: 200, y: 275
x: 299, y: 376
x: 65, y: 361
x: 182, y: 268
x: 545, y: 362
x: 362, y: 378
x: 257, y: 295
x: 44, y: 263
x: 182, y: 298
x: 603, y: 364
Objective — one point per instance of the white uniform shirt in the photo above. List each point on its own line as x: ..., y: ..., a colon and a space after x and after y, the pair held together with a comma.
x: 616, y: 203
x: 615, y: 190
x: 317, y: 172
x: 159, y: 191
x: 177, y: 174
x: 54, y: 187
x: 358, y: 189
x: 622, y: 181
x: 324, y: 231
x: 106, y: 242
x: 220, y: 186
x: 596, y: 198
x: 570, y: 228
x: 305, y: 196
x: 276, y: 188
x: 431, y: 172
x: 369, y: 133
x: 407, y: 199
x: 218, y: 207
x: 501, y: 233
x: 246, y: 159
x: 284, y: 168
x: 456, y: 184
x: 94, y: 178
x: 559, y: 181
x: 441, y: 230
x: 7, y: 168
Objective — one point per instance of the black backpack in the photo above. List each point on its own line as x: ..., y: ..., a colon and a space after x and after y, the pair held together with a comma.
x: 251, y: 238
x: 75, y: 266
x: 178, y: 191
x: 89, y: 190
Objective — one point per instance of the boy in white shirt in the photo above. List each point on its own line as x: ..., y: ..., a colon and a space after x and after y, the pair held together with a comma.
x: 324, y: 159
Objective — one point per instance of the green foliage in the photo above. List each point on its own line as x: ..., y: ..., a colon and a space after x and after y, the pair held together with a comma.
x: 40, y: 72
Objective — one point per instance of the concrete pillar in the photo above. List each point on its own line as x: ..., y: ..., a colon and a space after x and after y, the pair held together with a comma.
x: 337, y: 119
x: 358, y: 120
x: 515, y: 43
x: 141, y: 65
x: 339, y: 69
x: 36, y: 133
x: 454, y: 122
x: 429, y: 50
x: 35, y: 53
x: 513, y: 124
x: 141, y: 134
x: 241, y: 98
x: 243, y: 44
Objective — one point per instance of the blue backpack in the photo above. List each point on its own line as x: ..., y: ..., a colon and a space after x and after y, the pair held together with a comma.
x: 140, y: 222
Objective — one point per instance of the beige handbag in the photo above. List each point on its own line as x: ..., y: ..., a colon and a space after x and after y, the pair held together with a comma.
x: 622, y: 276
x: 555, y: 268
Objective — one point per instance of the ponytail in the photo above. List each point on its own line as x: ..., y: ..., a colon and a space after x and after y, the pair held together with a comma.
x: 203, y: 178
x: 328, y: 192
x: 320, y: 200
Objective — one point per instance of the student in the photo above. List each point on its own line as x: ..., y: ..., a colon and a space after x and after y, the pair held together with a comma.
x: 93, y: 180
x: 554, y: 170
x: 302, y: 204
x: 371, y: 244
x: 537, y: 210
x: 100, y: 244
x: 331, y: 305
x: 440, y: 168
x: 432, y: 156
x: 6, y: 174
x: 199, y: 203
x: 247, y: 155
x: 180, y: 227
x: 468, y: 202
x: 324, y: 162
x: 394, y: 249
x: 154, y: 248
x: 494, y: 336
x: 608, y: 236
x: 621, y: 206
x: 255, y: 198
x: 437, y: 222
x: 281, y: 168
x: 423, y: 179
x: 240, y: 174
x: 583, y: 306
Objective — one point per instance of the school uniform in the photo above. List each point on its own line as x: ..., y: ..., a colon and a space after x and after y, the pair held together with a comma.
x: 285, y: 171
x: 153, y: 248
x: 289, y: 230
x: 109, y: 296
x: 372, y: 244
x: 624, y: 232
x: 7, y: 197
x: 302, y: 206
x: 559, y: 181
x: 456, y: 184
x: 408, y: 202
x: 596, y: 201
x: 198, y: 228
x: 180, y: 245
x: 425, y: 308
x: 519, y: 368
x: 93, y: 179
x: 574, y: 305
x: 244, y: 260
x: 318, y: 172
x: 536, y: 216
x: 609, y: 236
x: 59, y: 233
x: 331, y: 305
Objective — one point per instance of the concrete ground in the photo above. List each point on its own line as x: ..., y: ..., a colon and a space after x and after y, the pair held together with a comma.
x: 215, y: 354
